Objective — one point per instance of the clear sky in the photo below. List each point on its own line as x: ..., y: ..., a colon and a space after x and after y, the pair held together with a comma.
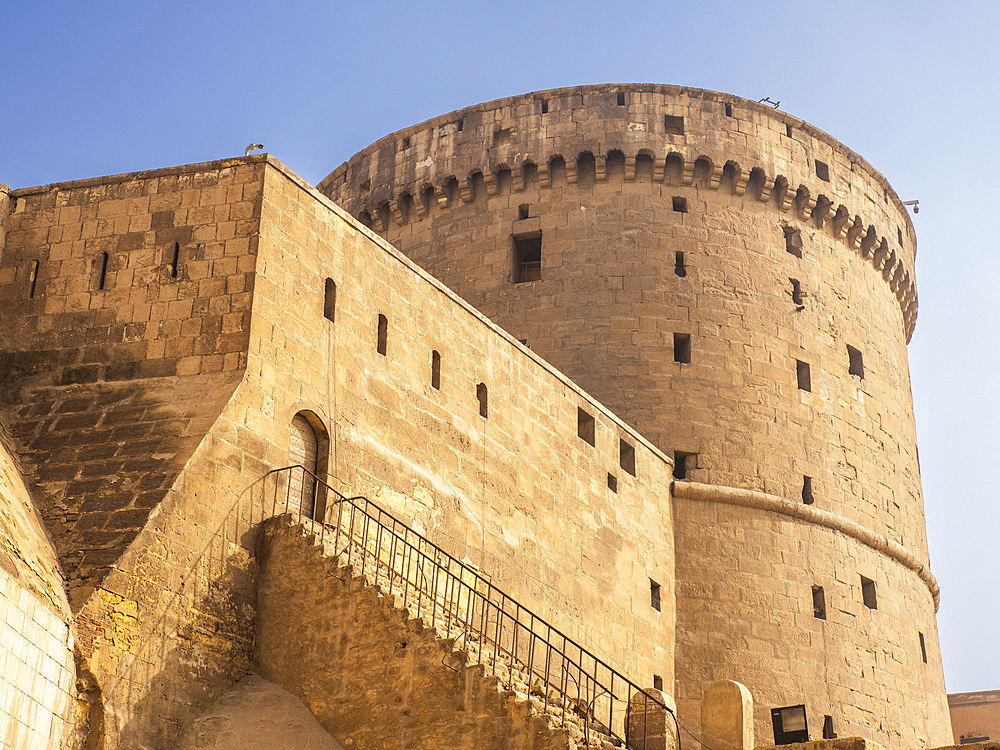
x: 93, y: 88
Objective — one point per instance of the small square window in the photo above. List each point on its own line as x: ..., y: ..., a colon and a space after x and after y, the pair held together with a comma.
x: 793, y: 240
x: 527, y: 257
x: 522, y: 211
x: 612, y: 482
x: 819, y: 603
x: 868, y: 593
x: 406, y: 142
x: 822, y: 170
x: 807, y: 491
x: 680, y: 204
x: 682, y: 348
x: 501, y: 137
x: 856, y: 365
x: 586, y: 426
x: 673, y: 125
x: 657, y: 682
x: 683, y: 463
x: 626, y: 456
x: 802, y: 376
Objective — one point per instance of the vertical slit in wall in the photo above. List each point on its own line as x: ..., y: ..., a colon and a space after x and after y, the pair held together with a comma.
x: 828, y: 733
x: 103, y: 277
x: 330, y: 300
x: 482, y: 394
x: 657, y: 682
x: 612, y: 482
x: 626, y: 456
x: 586, y: 426
x: 802, y: 375
x: 32, y: 278
x: 868, y: 595
x: 175, y: 263
x: 383, y: 334
x: 436, y: 369
x: 819, y: 603
x: 654, y: 594
x: 679, y: 268
x: 923, y: 648
x: 807, y: 491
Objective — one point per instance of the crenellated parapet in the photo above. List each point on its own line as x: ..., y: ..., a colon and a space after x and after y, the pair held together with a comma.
x: 402, y: 204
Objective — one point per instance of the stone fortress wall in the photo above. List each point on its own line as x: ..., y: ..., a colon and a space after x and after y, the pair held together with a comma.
x: 161, y: 381
x: 739, y: 287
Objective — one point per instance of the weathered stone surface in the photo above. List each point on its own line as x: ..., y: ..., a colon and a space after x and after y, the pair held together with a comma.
x: 726, y: 716
x: 257, y: 713
x: 654, y: 227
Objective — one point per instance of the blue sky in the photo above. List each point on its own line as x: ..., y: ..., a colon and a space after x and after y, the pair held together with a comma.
x: 105, y: 87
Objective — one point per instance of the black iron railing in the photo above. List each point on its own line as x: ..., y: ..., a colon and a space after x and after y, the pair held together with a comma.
x: 522, y: 650
x: 525, y: 652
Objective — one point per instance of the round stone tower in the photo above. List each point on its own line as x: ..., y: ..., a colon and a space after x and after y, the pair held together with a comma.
x: 738, y: 286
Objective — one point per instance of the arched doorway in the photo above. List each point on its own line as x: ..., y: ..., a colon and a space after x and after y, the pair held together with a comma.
x: 306, y: 448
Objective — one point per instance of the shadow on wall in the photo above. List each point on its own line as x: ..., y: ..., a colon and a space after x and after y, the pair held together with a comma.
x: 201, y: 645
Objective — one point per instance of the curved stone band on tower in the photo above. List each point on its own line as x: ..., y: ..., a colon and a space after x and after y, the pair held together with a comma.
x: 739, y: 287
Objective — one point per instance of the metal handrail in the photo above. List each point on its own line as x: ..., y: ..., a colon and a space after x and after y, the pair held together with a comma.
x: 508, y: 636
x: 512, y: 643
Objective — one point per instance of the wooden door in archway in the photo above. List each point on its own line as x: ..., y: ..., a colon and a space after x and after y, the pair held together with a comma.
x: 303, y: 449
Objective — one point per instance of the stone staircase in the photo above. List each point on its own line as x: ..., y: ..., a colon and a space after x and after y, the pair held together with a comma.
x: 379, y: 672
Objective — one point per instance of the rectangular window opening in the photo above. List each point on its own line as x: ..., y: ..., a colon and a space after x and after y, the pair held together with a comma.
x: 176, y: 262
x: 923, y: 648
x: 807, y: 491
x: 793, y: 240
x: 899, y: 234
x: 586, y: 426
x: 868, y: 593
x: 501, y: 137
x: 673, y: 124
x: 621, y: 98
x: 683, y: 463
x: 406, y: 142
x: 654, y: 594
x: 459, y: 125
x: 626, y: 456
x: 32, y: 278
x: 679, y: 268
x: 482, y: 394
x: 856, y: 361
x: 828, y: 733
x: 788, y: 130
x: 657, y: 682
x: 330, y: 300
x: 436, y: 369
x: 682, y: 348
x: 822, y: 170
x: 103, y: 277
x: 545, y: 106
x: 802, y: 375
x: 729, y: 110
x: 819, y: 603
x: 522, y: 211
x: 797, y: 292
x: 612, y: 482
x: 680, y: 204
x: 383, y: 334
x: 527, y: 257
